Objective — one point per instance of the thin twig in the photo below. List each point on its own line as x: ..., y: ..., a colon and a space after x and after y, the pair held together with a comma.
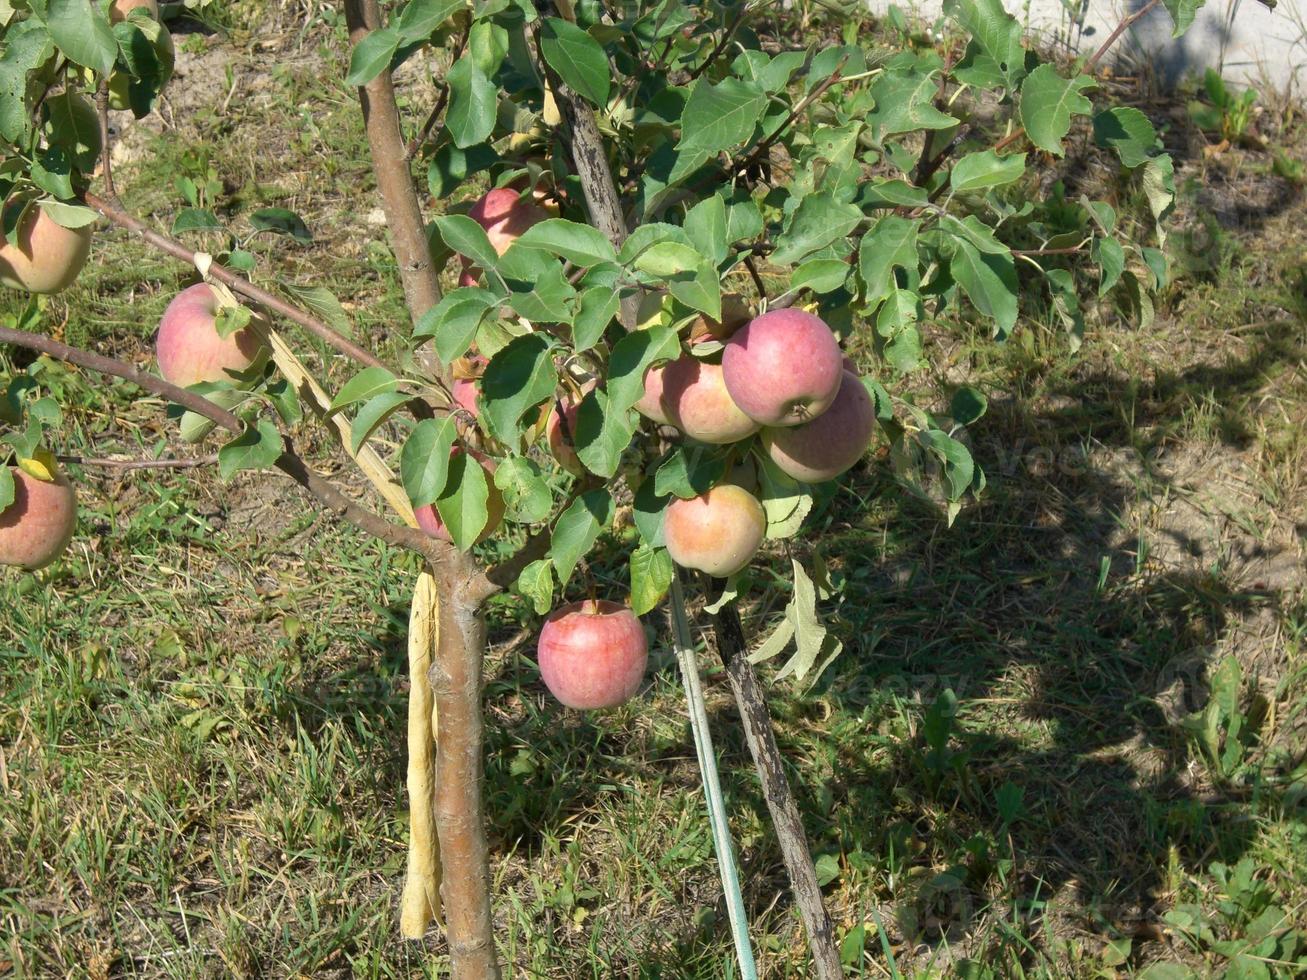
x: 1071, y: 250
x: 725, y: 40
x: 416, y: 142
x: 141, y: 464
x: 102, y: 111
x: 761, y: 149
x: 237, y: 284
x: 757, y: 279
x: 288, y: 462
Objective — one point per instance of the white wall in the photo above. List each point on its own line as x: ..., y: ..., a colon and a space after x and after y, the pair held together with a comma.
x: 1249, y: 43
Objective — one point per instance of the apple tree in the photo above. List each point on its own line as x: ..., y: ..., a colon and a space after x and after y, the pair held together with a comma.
x: 659, y: 227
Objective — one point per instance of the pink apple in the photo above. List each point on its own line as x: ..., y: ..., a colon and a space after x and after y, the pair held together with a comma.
x: 119, y: 10
x: 717, y: 532
x: 592, y: 654
x: 650, y: 404
x: 36, y: 527
x: 189, y: 347
x: 695, y: 400
x: 783, y: 368
x: 505, y: 217
x: 832, y: 442
x: 47, y: 256
x: 428, y: 517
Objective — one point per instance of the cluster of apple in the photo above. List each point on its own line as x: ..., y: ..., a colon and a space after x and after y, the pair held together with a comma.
x: 780, y: 377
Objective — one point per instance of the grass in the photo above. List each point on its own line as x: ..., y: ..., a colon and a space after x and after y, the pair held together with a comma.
x: 1008, y: 773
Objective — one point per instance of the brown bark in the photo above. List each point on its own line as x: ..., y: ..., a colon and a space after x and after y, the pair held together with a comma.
x: 394, y: 179
x: 733, y: 649
x: 460, y: 820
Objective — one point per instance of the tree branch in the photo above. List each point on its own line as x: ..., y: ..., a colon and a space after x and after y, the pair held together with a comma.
x: 288, y: 462
x: 716, y: 52
x: 141, y: 464
x: 102, y: 112
x: 234, y: 282
x: 399, y: 200
x: 761, y: 149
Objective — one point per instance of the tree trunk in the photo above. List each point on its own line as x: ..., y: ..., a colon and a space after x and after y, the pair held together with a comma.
x: 460, y: 818
x: 733, y: 649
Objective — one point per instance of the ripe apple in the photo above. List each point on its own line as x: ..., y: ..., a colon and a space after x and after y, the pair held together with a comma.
x: 189, y: 347
x: 35, y: 529
x: 592, y: 654
x: 783, y: 368
x: 505, y: 217
x: 119, y: 10
x: 47, y: 256
x: 563, y: 445
x: 717, y: 532
x: 695, y: 400
x: 832, y: 442
x: 650, y: 404
x: 428, y: 517
x: 467, y: 372
x: 735, y: 314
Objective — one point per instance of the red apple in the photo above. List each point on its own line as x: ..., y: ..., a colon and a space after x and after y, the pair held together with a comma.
x: 465, y: 392
x: 35, y: 529
x: 428, y: 517
x: 119, y: 10
x: 505, y: 216
x: 592, y: 654
x: 695, y: 400
x: 832, y: 442
x: 717, y: 532
x: 189, y: 347
x: 47, y: 256
x: 783, y: 368
x: 650, y: 404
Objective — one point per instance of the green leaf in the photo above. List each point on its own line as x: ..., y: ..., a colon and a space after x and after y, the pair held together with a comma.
x: 647, y: 512
x: 371, y: 56
x: 82, y: 33
x: 466, y: 237
x: 279, y: 221
x: 455, y: 319
x: 1129, y: 132
x: 705, y: 223
x: 368, y: 383
x: 579, y: 244
x: 700, y: 291
x: 818, y: 221
x: 517, y: 379
x: 526, y: 495
x: 820, y: 275
x: 1047, y: 103
x: 424, y: 460
x: 811, y: 640
x: 52, y: 172
x: 462, y: 505
x: 990, y: 282
x: 537, y: 583
x: 577, y: 57
x: 229, y: 319
x: 667, y: 259
x: 1182, y: 13
x: 891, y: 244
x: 631, y: 357
x: 603, y: 432
x: 451, y: 165
x: 996, y: 32
x: 578, y: 528
x: 323, y: 303
x: 371, y: 415
x: 1159, y: 187
x: 905, y: 103
x: 967, y: 405
x: 254, y: 449
x: 195, y: 219
x: 651, y: 577
x: 785, y: 501
x: 598, y: 306
x: 6, y: 488
x: 473, y: 101
x: 981, y: 171
x: 487, y: 43
x: 690, y: 471
x: 27, y: 45
x: 1109, y: 254
x: 75, y: 130
x: 549, y: 300
x: 720, y: 117
x: 420, y: 18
